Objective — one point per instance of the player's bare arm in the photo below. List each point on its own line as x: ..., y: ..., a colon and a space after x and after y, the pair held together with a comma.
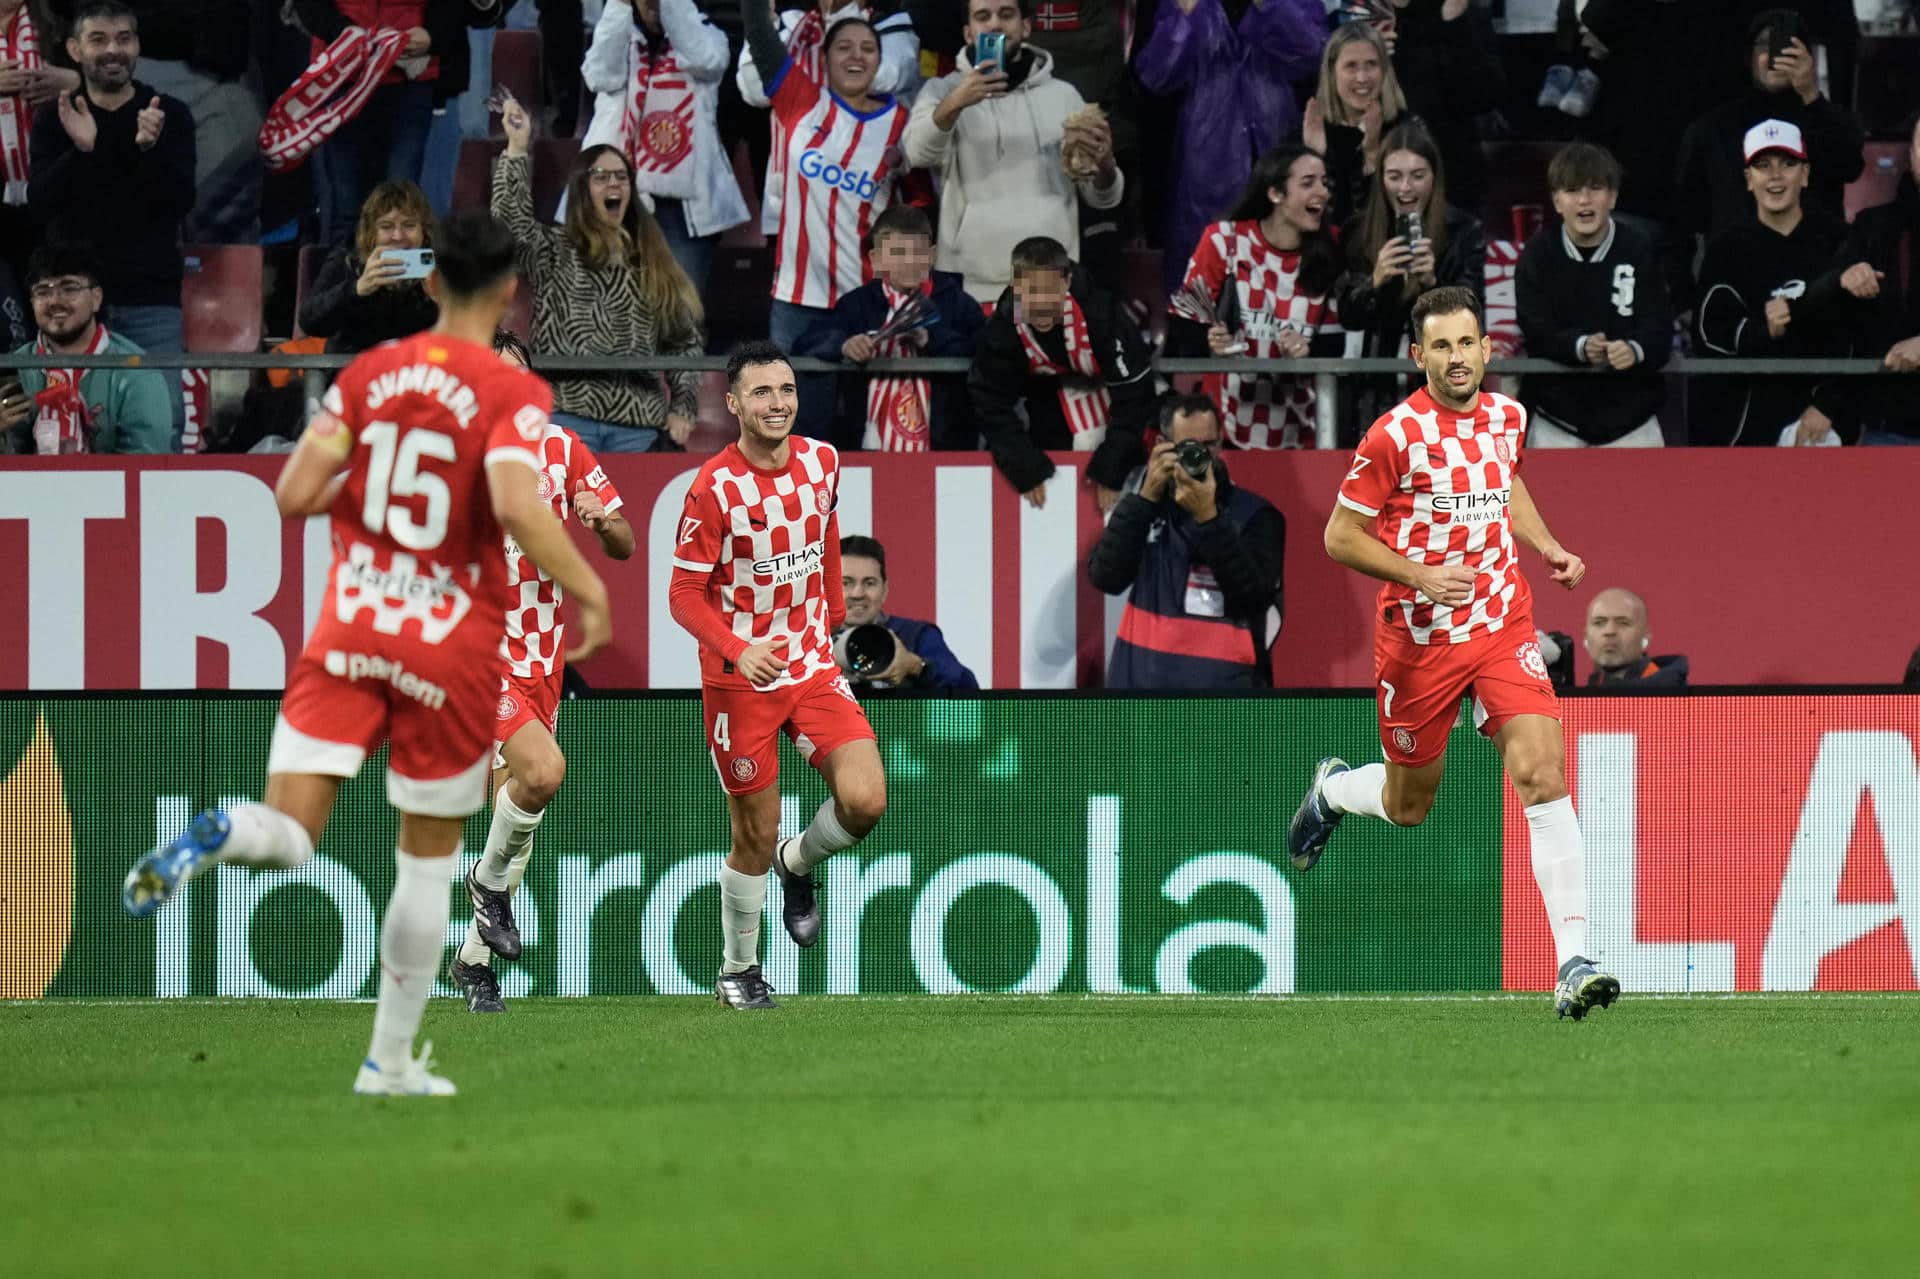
x: 312, y: 475
x: 611, y: 527
x: 1531, y: 530
x: 518, y: 506
x: 1350, y: 541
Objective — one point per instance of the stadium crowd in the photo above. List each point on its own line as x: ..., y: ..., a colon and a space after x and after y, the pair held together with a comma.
x: 981, y: 179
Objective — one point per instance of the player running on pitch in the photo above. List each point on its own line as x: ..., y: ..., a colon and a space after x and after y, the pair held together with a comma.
x: 1432, y: 507
x: 756, y: 579
x: 423, y: 455
x: 570, y: 480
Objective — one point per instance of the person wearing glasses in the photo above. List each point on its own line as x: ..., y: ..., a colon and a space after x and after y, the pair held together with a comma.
x: 56, y: 410
x: 1203, y: 560
x: 604, y: 282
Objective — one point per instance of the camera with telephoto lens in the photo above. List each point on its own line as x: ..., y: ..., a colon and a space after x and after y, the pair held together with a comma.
x: 864, y: 651
x: 1195, y: 458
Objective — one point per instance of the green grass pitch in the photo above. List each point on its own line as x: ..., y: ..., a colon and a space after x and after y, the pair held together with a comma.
x: 971, y: 1136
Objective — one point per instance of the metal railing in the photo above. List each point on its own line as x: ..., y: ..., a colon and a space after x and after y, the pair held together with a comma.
x: 1326, y: 371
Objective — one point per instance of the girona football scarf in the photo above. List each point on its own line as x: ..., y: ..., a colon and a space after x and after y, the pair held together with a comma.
x: 657, y: 126
x: 898, y: 407
x: 18, y: 43
x: 65, y: 424
x: 1083, y: 394
x: 327, y: 95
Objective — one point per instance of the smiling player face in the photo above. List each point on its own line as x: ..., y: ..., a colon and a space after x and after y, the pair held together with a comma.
x: 1453, y: 352
x: 765, y: 399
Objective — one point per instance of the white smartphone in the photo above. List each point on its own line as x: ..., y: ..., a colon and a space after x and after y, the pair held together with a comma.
x: 417, y: 264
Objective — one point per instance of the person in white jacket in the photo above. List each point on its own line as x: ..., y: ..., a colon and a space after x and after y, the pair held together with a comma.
x: 655, y: 68
x: 802, y: 30
x: 994, y: 135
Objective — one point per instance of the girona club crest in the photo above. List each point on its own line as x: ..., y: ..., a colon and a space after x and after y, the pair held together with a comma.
x: 743, y: 769
x: 665, y: 138
x: 1503, y: 450
x: 509, y: 706
x: 823, y: 500
x: 1403, y: 741
x: 1530, y: 660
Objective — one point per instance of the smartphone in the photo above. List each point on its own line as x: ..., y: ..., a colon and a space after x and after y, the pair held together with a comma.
x: 990, y: 46
x: 1780, y: 37
x: 1409, y: 228
x: 418, y: 263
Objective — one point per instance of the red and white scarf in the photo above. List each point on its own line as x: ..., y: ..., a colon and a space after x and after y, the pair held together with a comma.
x: 1083, y: 389
x: 657, y: 126
x: 328, y: 94
x: 18, y: 43
x: 898, y: 408
x: 65, y: 424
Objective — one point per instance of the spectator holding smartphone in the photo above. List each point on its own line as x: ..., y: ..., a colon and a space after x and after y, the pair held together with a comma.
x: 367, y: 293
x: 1711, y: 193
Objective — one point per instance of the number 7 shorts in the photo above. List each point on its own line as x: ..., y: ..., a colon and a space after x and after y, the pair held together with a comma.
x: 1418, y: 687
x: 744, y: 727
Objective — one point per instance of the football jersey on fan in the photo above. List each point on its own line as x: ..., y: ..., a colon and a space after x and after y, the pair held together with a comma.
x: 533, y: 642
x: 760, y: 537
x: 416, y: 547
x: 1439, y: 483
x: 1258, y: 410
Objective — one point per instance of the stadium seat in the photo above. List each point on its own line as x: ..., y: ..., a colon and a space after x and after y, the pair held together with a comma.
x: 519, y: 316
x: 1886, y: 165
x: 552, y: 165
x: 473, y: 173
x: 516, y: 68
x: 220, y: 297
x: 308, y: 268
x: 739, y: 295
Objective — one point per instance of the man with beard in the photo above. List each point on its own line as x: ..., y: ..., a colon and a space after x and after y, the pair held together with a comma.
x: 55, y: 410
x: 113, y: 166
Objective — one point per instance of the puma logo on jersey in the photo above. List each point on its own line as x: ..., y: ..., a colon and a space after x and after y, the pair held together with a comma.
x: 1359, y: 464
x: 688, y: 527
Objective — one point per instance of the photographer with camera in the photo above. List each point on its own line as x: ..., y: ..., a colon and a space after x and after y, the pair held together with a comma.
x: 1203, y: 560
x: 888, y: 652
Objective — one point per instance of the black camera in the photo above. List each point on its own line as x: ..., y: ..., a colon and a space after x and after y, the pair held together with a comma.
x: 1195, y: 458
x: 864, y: 651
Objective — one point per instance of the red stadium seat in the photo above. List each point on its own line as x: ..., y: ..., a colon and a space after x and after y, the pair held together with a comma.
x: 552, y: 165
x: 308, y: 268
x: 516, y: 68
x: 220, y: 297
x: 473, y: 173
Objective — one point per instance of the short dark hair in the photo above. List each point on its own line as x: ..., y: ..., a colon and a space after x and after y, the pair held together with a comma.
x: 900, y: 219
x: 751, y: 355
x: 55, y: 258
x: 1174, y: 405
x: 1041, y: 253
x: 867, y: 548
x: 474, y: 252
x: 1582, y: 164
x: 1444, y: 301
x: 507, y: 342
x: 103, y: 11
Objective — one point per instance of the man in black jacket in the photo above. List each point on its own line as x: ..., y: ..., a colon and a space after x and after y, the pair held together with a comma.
x: 1776, y: 287
x: 1203, y: 561
x: 1710, y: 193
x: 1617, y: 640
x: 1888, y: 239
x: 1070, y: 356
x: 1590, y: 293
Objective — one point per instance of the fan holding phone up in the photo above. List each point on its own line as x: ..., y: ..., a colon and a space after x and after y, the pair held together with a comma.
x: 371, y: 291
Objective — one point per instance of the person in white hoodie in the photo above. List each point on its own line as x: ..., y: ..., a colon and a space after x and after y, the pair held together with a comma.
x: 655, y: 68
x: 995, y: 135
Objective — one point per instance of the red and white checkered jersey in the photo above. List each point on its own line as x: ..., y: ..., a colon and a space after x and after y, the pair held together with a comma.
x: 1439, y: 483
x: 416, y: 547
x: 533, y: 642
x: 837, y: 179
x: 1263, y: 410
x: 761, y: 539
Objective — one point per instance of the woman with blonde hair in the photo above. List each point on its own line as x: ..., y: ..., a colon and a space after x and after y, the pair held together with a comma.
x: 362, y: 295
x: 1347, y: 118
x: 604, y: 282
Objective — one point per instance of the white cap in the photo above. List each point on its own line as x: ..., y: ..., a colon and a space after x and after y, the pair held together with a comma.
x: 1775, y: 135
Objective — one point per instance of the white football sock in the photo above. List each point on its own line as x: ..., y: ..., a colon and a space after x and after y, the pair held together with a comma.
x: 411, y: 938
x: 509, y: 835
x: 266, y: 837
x: 1360, y: 790
x: 742, y: 898
x: 1560, y: 868
x: 475, y: 951
x: 823, y: 837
